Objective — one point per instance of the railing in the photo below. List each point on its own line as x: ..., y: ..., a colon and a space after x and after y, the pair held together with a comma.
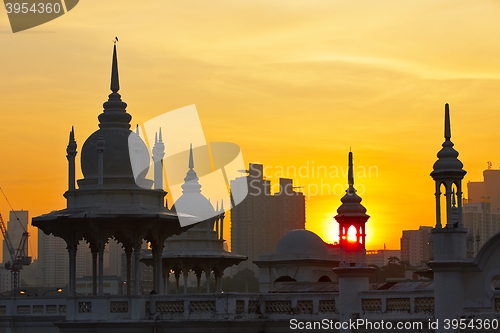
x: 226, y: 306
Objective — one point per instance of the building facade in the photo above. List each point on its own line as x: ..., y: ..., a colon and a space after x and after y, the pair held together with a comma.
x: 262, y: 218
x: 416, y: 246
x: 481, y: 210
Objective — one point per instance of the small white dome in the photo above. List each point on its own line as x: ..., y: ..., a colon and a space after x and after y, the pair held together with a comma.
x: 301, y: 242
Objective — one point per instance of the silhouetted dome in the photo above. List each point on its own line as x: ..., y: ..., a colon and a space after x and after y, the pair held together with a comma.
x: 351, y: 204
x: 195, y: 204
x: 301, y: 242
x: 448, y: 164
x: 116, y: 156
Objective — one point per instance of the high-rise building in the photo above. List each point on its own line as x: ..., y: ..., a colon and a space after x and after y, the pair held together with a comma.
x: 416, y: 246
x: 52, y: 261
x: 261, y: 219
x: 16, y: 226
x: 481, y: 211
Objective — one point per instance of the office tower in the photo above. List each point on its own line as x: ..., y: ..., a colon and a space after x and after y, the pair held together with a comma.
x: 261, y: 219
x: 481, y: 210
x: 416, y: 246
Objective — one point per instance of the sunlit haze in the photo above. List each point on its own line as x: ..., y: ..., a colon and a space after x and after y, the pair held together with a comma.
x: 295, y: 84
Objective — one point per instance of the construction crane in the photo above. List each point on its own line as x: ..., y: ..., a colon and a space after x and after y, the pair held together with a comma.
x: 19, y: 257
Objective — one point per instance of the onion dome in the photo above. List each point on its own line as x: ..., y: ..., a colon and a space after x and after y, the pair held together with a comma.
x: 351, y: 202
x: 114, y: 124
x: 192, y: 202
x: 448, y: 165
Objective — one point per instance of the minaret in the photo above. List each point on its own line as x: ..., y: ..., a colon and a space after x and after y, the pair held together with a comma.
x: 352, y: 213
x: 71, y: 155
x: 158, y: 154
x: 449, y: 236
x: 353, y: 280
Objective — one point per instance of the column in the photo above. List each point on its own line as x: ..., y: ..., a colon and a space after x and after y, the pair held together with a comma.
x: 185, y: 274
x: 155, y: 270
x: 207, y: 279
x: 137, y: 276
x: 101, y: 270
x: 159, y: 271
x: 72, y: 271
x: 128, y: 254
x: 94, y: 272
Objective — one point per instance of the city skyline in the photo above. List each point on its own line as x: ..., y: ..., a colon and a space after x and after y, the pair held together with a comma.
x: 291, y: 85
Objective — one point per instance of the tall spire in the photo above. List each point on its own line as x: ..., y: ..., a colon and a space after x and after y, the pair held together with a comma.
x: 114, y: 114
x: 191, y: 180
x: 191, y: 162
x: 351, y: 202
x: 447, y: 128
x: 448, y: 161
x: 351, y: 173
x: 115, y: 83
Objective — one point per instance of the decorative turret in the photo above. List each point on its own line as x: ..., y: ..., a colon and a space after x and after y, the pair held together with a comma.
x: 352, y: 214
x: 71, y: 154
x: 158, y: 154
x: 448, y: 172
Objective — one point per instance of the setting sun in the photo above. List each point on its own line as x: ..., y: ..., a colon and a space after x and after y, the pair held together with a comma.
x: 351, y: 234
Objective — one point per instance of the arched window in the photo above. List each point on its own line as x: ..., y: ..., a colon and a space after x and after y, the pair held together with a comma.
x: 324, y: 278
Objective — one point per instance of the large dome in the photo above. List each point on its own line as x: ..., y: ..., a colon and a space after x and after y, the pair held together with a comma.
x: 301, y: 242
x: 114, y: 124
x: 117, y: 162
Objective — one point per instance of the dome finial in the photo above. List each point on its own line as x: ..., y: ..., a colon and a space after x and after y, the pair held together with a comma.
x: 447, y: 127
x: 115, y: 84
x: 114, y: 114
x: 351, y: 172
x: 191, y: 162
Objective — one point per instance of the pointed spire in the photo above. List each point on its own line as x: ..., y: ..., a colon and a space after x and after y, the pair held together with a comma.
x: 71, y: 148
x: 217, y: 206
x: 351, y: 202
x: 114, y: 114
x: 115, y: 84
x: 161, y: 137
x: 191, y: 180
x: 448, y: 163
x: 137, y: 129
x: 191, y: 162
x: 447, y: 128
x: 351, y: 173
x: 222, y: 205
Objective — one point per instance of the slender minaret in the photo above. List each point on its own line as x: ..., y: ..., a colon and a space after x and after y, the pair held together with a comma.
x: 158, y: 154
x: 71, y: 154
x: 352, y: 214
x: 353, y: 279
x: 449, y: 236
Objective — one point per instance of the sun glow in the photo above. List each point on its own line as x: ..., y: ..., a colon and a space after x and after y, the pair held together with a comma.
x: 351, y: 234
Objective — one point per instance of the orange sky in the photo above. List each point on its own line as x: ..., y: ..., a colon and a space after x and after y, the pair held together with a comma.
x: 294, y: 83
